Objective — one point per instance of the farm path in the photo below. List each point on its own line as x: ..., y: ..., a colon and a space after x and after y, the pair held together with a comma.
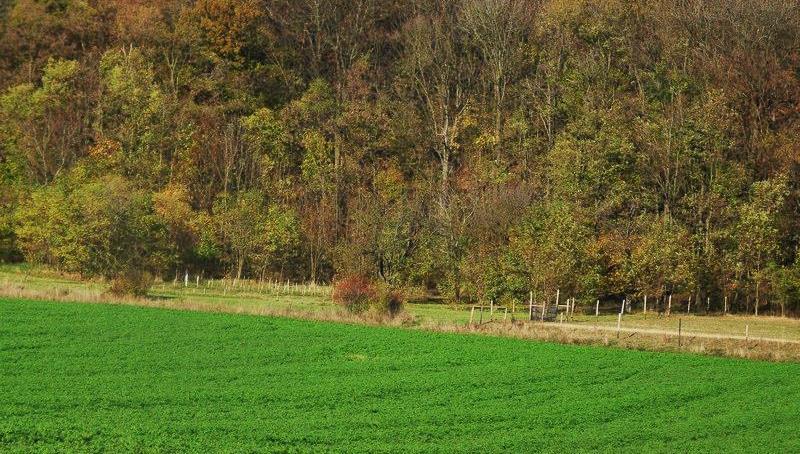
x: 675, y: 333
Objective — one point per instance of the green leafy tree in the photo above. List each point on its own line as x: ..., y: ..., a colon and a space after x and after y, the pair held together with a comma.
x: 44, y: 128
x: 134, y: 112
x: 661, y: 260
x: 554, y: 250
x: 102, y: 227
x: 758, y: 234
x: 253, y: 235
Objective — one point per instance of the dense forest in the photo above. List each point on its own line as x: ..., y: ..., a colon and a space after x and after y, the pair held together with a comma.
x: 476, y: 149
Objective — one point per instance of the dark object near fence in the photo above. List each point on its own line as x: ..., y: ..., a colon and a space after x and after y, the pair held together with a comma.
x: 550, y: 312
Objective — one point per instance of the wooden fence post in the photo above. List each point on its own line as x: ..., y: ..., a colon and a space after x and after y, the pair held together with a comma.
x: 689, y: 306
x: 544, y: 307
x: 725, y: 310
x: 471, y: 315
x: 619, y: 323
x: 597, y: 309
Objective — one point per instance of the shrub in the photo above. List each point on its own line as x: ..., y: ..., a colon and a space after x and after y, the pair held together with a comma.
x: 355, y: 293
x: 134, y: 282
x: 390, y: 301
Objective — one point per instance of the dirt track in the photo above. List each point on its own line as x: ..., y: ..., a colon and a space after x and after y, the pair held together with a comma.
x: 686, y: 334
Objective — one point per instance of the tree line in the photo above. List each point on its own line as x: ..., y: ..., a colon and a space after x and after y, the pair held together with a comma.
x: 479, y: 149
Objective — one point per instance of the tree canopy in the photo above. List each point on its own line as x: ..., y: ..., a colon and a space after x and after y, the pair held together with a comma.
x: 474, y: 148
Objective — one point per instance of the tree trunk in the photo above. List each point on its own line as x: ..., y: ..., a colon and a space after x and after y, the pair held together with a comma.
x: 757, y: 297
x: 444, y: 159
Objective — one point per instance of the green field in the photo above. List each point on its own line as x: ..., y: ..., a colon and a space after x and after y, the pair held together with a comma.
x: 83, y: 377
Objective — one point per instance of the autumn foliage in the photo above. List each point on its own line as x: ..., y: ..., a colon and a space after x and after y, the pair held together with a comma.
x: 355, y: 293
x: 476, y: 149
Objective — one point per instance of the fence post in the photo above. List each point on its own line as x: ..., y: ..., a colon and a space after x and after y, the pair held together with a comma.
x: 725, y: 311
x: 597, y: 309
x: 679, y: 332
x: 544, y: 307
x: 619, y: 323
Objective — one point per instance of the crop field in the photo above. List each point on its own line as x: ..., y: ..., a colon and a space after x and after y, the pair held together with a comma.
x: 87, y: 377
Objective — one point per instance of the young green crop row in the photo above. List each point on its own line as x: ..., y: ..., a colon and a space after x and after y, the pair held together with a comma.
x: 79, y: 377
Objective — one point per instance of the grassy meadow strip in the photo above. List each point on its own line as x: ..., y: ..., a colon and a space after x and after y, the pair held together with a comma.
x: 89, y: 377
x: 245, y: 298
x: 310, y: 309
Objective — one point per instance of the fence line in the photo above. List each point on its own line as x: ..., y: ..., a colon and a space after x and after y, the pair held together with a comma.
x: 684, y: 333
x: 262, y: 287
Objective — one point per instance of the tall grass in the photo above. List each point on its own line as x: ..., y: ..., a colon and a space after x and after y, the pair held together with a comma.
x: 230, y: 286
x: 96, y: 296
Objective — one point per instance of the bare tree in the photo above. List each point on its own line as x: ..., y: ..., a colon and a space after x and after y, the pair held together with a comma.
x: 443, y: 71
x: 500, y: 30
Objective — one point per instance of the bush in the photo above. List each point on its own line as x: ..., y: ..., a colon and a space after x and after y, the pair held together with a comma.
x: 390, y: 301
x: 133, y: 282
x: 355, y: 293
x: 358, y: 294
